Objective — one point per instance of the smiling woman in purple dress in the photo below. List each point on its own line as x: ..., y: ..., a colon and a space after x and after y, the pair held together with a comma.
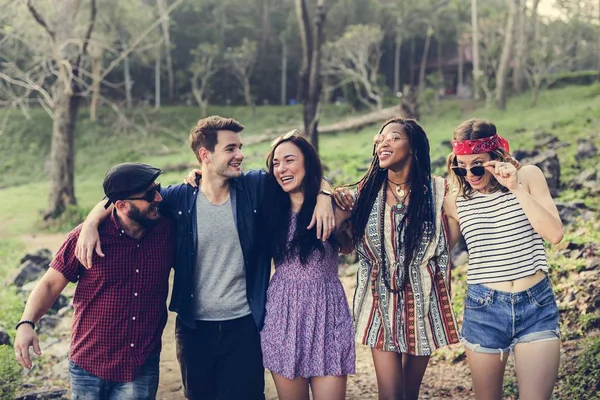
x: 307, y: 339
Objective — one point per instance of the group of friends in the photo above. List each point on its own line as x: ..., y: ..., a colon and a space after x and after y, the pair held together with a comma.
x: 223, y: 229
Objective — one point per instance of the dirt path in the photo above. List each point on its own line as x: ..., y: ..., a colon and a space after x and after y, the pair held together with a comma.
x: 443, y: 379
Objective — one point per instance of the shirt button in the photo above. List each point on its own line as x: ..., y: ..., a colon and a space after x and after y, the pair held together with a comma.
x: 137, y: 245
x: 132, y: 344
x: 179, y: 213
x: 192, y: 295
x: 137, y: 270
x: 133, y: 318
x: 135, y: 294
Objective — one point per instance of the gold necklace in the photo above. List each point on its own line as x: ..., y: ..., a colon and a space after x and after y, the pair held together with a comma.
x: 400, y: 198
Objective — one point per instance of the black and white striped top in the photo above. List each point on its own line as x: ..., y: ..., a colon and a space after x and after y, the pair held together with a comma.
x: 502, y: 244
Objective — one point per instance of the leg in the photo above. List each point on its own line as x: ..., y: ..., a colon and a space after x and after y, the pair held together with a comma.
x: 388, y: 369
x: 294, y: 389
x: 413, y: 368
x: 487, y: 372
x: 196, y: 355
x: 536, y: 364
x: 328, y: 387
x: 144, y: 387
x: 85, y: 386
x: 240, y: 371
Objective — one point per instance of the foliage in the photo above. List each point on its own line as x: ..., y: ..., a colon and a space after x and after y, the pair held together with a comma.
x: 583, y: 381
x: 10, y: 373
x: 583, y: 78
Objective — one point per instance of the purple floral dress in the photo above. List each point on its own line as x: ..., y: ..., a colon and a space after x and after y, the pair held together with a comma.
x: 308, y: 326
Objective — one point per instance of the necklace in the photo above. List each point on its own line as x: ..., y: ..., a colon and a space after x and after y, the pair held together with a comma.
x: 400, y: 270
x: 399, y: 191
x: 400, y: 198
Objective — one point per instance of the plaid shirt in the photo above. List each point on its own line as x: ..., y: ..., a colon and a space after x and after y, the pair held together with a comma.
x: 120, y: 304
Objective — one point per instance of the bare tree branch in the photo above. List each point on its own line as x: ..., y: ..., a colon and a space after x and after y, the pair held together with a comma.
x: 40, y: 20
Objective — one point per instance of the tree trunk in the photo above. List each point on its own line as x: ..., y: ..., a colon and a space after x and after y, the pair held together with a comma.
x: 284, y: 60
x: 598, y: 42
x: 503, y: 65
x: 311, y: 47
x: 397, y: 53
x: 440, y: 66
x: 461, y: 67
x: 157, y: 78
x: 306, y: 39
x: 96, y: 65
x: 204, y: 108
x: 475, y: 51
x: 424, y: 59
x: 62, y: 154
x: 248, y: 96
x: 411, y: 62
x: 128, y: 83
x: 519, y: 58
x: 167, y: 39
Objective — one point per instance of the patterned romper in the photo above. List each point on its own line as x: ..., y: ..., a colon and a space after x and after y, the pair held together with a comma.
x: 419, y: 319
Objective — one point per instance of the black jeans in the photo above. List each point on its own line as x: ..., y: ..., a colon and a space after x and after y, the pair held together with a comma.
x: 221, y: 360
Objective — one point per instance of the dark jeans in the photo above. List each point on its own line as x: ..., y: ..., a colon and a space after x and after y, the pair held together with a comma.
x: 85, y: 386
x: 221, y: 360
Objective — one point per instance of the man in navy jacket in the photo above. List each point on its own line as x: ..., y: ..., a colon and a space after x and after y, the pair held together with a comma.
x: 221, y: 277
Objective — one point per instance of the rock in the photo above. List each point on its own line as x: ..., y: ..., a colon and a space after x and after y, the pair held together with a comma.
x: 585, y: 176
x: 585, y: 149
x: 548, y: 162
x: 544, y: 139
x: 56, y: 348
x: 461, y: 259
x: 592, y: 186
x: 438, y: 162
x: 63, y: 311
x: 4, y: 338
x: 521, y: 154
x: 60, y: 303
x: 48, y: 322
x: 572, y: 210
x: 29, y: 271
x: 40, y: 256
x: 47, y: 394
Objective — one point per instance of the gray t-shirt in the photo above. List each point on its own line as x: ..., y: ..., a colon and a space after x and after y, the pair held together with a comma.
x: 220, y: 278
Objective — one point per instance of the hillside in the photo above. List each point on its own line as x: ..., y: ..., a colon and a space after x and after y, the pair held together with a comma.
x: 561, y: 134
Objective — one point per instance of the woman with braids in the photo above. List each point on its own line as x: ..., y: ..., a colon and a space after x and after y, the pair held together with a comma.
x: 505, y: 215
x: 402, y: 307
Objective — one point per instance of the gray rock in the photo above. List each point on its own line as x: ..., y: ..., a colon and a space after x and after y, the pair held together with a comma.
x: 48, y: 322
x: 40, y: 256
x: 588, y: 175
x: 585, y: 149
x: 548, y: 162
x: 44, y: 395
x: 4, y: 338
x: 60, y: 303
x: 29, y: 271
x: 60, y: 371
x: 461, y: 259
x: 572, y: 210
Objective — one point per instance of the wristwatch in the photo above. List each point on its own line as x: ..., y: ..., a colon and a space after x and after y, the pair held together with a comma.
x: 325, y: 192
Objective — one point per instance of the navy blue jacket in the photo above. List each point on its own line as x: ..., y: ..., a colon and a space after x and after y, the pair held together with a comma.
x: 179, y: 204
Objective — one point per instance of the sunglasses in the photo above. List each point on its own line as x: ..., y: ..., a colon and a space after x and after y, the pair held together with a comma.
x: 148, y: 196
x: 462, y: 172
x: 390, y: 138
x: 293, y: 132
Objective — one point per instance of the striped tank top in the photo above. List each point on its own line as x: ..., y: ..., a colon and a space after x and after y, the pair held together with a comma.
x: 502, y: 244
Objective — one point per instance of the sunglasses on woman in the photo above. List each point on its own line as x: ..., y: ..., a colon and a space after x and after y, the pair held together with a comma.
x: 478, y: 170
x: 148, y: 196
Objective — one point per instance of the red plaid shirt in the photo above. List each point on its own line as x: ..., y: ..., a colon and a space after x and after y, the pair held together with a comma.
x: 120, y: 304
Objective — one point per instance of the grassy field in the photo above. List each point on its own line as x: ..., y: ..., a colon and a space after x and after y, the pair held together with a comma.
x: 160, y: 138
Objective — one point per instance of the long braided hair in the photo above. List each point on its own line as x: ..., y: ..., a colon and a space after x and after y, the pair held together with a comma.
x: 420, y: 214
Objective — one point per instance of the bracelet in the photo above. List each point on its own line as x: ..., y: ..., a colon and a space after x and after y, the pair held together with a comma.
x: 25, y: 322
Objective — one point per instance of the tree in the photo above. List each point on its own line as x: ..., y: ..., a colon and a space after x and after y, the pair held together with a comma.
x: 241, y: 60
x: 519, y: 59
x: 475, y: 44
x: 354, y: 59
x: 202, y: 69
x: 504, y: 66
x: 164, y: 22
x: 312, y: 38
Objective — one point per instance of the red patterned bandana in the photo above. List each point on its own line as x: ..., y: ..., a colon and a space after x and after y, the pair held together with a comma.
x: 478, y: 146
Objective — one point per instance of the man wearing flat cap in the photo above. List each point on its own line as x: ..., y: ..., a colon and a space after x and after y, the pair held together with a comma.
x: 120, y: 304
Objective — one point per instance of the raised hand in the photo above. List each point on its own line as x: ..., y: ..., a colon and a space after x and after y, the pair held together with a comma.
x: 504, y: 172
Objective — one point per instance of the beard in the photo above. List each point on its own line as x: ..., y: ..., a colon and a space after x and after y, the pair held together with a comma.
x: 142, y: 218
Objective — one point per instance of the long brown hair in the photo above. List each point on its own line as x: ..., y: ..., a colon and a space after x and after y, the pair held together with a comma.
x: 470, y: 130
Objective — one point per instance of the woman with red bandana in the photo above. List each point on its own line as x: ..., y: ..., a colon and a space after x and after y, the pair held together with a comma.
x: 505, y: 214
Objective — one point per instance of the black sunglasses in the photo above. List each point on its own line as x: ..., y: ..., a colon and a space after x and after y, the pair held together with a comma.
x: 148, y: 196
x: 462, y: 172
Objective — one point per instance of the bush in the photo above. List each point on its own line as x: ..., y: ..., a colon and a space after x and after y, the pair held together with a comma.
x: 583, y: 381
x: 10, y: 373
x: 583, y: 78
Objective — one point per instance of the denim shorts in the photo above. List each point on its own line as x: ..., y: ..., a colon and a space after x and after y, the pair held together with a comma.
x: 85, y: 386
x: 495, y: 321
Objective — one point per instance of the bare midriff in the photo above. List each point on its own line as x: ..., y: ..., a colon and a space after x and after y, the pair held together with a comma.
x: 518, y: 285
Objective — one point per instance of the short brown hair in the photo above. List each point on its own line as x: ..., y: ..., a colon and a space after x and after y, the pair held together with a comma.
x: 205, y: 133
